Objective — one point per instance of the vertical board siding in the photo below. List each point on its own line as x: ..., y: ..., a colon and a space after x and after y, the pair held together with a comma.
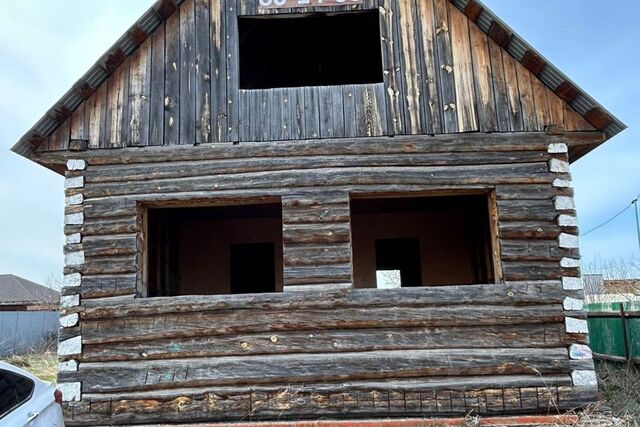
x: 24, y: 331
x: 440, y: 74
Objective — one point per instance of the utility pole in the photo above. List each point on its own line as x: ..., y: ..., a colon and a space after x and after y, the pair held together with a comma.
x: 635, y: 203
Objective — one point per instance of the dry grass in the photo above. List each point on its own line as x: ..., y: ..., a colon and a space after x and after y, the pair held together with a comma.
x: 41, y: 362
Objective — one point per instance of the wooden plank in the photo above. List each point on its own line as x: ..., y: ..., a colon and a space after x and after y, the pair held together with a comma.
x: 172, y: 83
x: 543, y: 111
x: 513, y: 93
x: 370, y: 110
x: 202, y: 71
x: 156, y: 102
x: 482, y: 73
x: 276, y: 123
x: 312, y: 112
x: 140, y: 95
x: 233, y: 70
x: 296, y: 113
x: 410, y: 52
x: 391, y: 68
x: 556, y: 108
x: 218, y: 71
x: 349, y: 110
x: 265, y: 99
x: 79, y: 124
x: 503, y: 116
x: 96, y: 116
x: 446, y: 77
x: 286, y: 114
x: 529, y: 114
x: 59, y: 140
x: 431, y: 99
x: 462, y: 70
x: 187, y: 122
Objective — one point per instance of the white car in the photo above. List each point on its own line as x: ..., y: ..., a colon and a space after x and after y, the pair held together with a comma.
x: 26, y: 400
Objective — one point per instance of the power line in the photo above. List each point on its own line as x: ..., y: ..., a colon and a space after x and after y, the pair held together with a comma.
x: 610, y: 219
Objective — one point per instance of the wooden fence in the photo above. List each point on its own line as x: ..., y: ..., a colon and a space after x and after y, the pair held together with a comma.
x: 21, y: 331
x: 614, y: 331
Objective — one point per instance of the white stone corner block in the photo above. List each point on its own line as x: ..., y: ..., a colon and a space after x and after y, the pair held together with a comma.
x: 76, y: 165
x: 75, y: 200
x: 68, y: 366
x: 567, y: 221
x: 569, y: 263
x: 580, y: 352
x: 573, y: 304
x: 558, y: 166
x: 558, y: 148
x: 564, y: 203
x: 584, y: 378
x: 71, y: 392
x: 74, y: 258
x: 69, y: 321
x: 576, y: 326
x: 74, y: 219
x: 68, y: 301
x: 74, y: 182
x: 71, y: 280
x: 561, y: 183
x: 568, y: 241
x: 572, y: 284
x: 72, y: 239
x: 70, y: 346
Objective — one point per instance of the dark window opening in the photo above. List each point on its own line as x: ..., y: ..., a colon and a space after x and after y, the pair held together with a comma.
x: 401, y: 255
x: 421, y: 241
x: 214, y: 250
x: 14, y: 391
x: 310, y: 50
x: 252, y: 268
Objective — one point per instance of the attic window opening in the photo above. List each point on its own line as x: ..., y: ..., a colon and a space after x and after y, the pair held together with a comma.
x: 214, y: 250
x: 310, y: 50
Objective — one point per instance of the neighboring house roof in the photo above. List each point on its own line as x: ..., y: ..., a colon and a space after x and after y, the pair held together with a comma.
x: 629, y: 286
x: 487, y: 21
x: 15, y: 290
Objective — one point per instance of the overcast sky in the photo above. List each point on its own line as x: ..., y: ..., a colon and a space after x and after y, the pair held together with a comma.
x: 45, y: 46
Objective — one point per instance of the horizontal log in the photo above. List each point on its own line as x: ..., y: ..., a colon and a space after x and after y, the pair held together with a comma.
x: 327, y: 341
x: 96, y: 246
x: 460, y: 175
x: 528, y: 230
x: 530, y: 250
x: 530, y: 192
x: 177, y: 169
x: 301, y: 368
x: 107, y: 286
x: 533, y: 270
x: 321, y: 254
x: 523, y: 210
x: 316, y: 214
x: 504, y: 294
x: 240, y: 321
x: 473, y: 142
x: 484, y: 395
x: 316, y: 233
x: 318, y: 274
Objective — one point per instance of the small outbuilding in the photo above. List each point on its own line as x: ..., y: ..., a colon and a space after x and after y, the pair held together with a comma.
x: 28, y: 314
x: 303, y: 209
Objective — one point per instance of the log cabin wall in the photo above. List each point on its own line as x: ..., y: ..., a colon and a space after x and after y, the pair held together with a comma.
x: 441, y: 74
x: 321, y: 348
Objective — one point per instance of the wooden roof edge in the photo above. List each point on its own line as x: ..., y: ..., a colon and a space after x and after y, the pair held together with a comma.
x: 126, y: 45
x: 475, y: 10
x: 598, y: 116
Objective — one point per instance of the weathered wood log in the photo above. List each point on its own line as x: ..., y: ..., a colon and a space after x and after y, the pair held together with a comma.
x: 473, y: 295
x: 247, y: 321
x: 300, y: 368
x: 328, y: 341
x: 470, y: 142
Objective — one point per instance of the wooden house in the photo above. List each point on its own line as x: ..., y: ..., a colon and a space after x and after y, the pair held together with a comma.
x: 294, y: 209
